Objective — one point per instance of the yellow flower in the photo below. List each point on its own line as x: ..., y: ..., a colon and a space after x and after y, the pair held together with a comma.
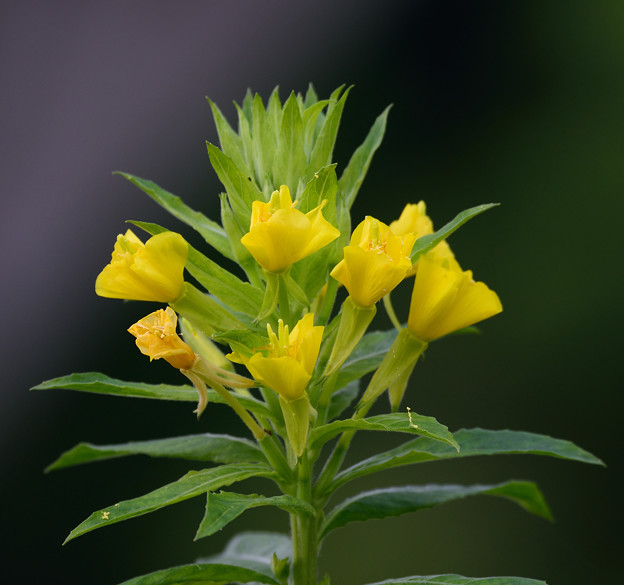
x: 445, y: 300
x: 290, y: 358
x: 157, y: 338
x: 414, y: 220
x: 280, y: 235
x: 374, y: 263
x: 145, y: 272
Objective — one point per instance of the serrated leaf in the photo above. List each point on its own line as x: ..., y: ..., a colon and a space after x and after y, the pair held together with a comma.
x: 207, y: 574
x: 188, y: 486
x: 355, y: 173
x: 459, y: 580
x: 238, y: 295
x: 472, y: 442
x: 290, y: 160
x: 210, y: 230
x: 223, y: 507
x: 366, y: 356
x: 204, y: 447
x: 430, y: 241
x: 97, y: 383
x: 395, y: 501
x: 399, y: 422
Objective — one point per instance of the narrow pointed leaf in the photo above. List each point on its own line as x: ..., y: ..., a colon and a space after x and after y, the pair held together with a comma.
x: 353, y: 176
x: 223, y: 507
x: 472, y: 442
x: 207, y: 574
x: 255, y: 546
x: 459, y: 580
x: 210, y: 230
x: 190, y: 485
x: 230, y: 141
x: 290, y: 160
x: 97, y: 383
x: 396, y: 501
x: 426, y: 243
x: 399, y: 422
x: 205, y: 447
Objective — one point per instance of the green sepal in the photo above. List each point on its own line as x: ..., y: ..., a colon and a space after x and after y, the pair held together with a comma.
x: 430, y: 241
x: 204, y: 447
x: 297, y: 414
x: 271, y: 295
x: 204, y: 313
x: 354, y: 321
x: 395, y: 368
x: 395, y: 501
x: 223, y: 507
x: 211, y: 231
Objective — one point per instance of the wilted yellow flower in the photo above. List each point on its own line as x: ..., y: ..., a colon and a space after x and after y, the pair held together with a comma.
x: 374, y: 263
x: 280, y: 235
x: 287, y: 364
x: 145, y: 272
x: 445, y: 300
x: 414, y: 220
x: 156, y: 337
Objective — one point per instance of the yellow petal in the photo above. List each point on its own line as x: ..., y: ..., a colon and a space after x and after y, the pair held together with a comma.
x: 285, y: 375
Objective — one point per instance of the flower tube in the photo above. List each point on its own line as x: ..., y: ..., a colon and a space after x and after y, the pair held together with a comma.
x: 145, y: 272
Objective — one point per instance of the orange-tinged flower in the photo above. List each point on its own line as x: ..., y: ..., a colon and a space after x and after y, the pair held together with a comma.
x: 374, y: 262
x: 414, y: 220
x: 280, y: 235
x: 145, y: 272
x: 157, y: 338
x: 286, y: 365
x: 445, y: 300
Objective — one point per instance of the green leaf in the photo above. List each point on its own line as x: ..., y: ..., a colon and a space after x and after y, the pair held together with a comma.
x: 190, y: 485
x: 255, y: 546
x: 206, y: 574
x: 472, y: 442
x: 426, y: 243
x: 399, y: 422
x: 210, y: 230
x: 395, y: 501
x: 230, y: 141
x: 324, y: 146
x: 310, y: 127
x: 366, y: 356
x: 241, y: 190
x: 231, y: 290
x: 205, y: 447
x: 264, y: 142
x: 459, y: 580
x: 353, y: 176
x: 97, y: 383
x: 224, y: 507
x: 290, y: 161
x: 342, y: 399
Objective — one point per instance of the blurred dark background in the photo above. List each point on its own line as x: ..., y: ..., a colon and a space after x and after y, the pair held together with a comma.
x: 516, y: 102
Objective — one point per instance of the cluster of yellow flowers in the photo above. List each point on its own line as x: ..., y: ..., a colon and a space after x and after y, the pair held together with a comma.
x: 445, y: 298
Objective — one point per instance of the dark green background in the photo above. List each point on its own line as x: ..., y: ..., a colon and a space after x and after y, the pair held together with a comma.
x: 515, y: 102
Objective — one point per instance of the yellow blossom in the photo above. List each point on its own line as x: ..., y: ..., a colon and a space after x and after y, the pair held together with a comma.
x: 445, y: 300
x: 280, y: 235
x: 374, y: 263
x: 414, y: 220
x: 145, y: 272
x: 287, y: 363
x: 157, y: 338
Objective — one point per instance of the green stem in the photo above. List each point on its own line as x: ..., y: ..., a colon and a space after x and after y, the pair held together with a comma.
x: 283, y: 301
x: 390, y: 311
x: 303, y: 528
